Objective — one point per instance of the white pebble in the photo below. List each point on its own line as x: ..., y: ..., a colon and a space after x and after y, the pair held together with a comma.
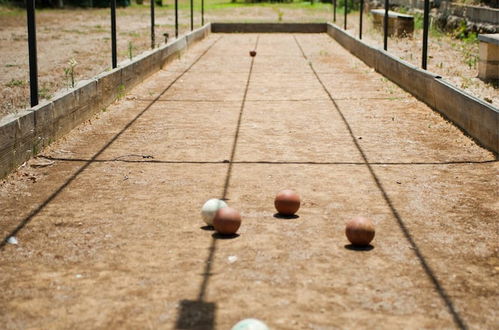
x: 232, y: 259
x: 12, y: 240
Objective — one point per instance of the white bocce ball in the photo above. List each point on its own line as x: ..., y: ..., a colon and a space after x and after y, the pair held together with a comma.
x: 210, y: 208
x: 250, y: 324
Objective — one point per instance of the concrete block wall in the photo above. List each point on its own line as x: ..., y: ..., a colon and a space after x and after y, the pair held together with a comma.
x: 268, y: 27
x: 399, y: 25
x: 26, y: 133
x: 488, y: 66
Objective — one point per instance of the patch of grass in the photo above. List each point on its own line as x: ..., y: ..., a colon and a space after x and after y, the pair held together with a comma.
x: 44, y: 93
x: 74, y: 31
x: 134, y: 34
x: 279, y: 13
x: 433, y: 31
x: 466, y: 82
x: 220, y: 4
x: 130, y: 50
x: 470, y: 57
x: 9, y: 10
x: 466, y: 42
x: 15, y: 83
x: 121, y: 91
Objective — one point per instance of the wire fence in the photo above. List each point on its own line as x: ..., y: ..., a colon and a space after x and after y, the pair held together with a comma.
x: 32, y: 39
x: 69, y: 45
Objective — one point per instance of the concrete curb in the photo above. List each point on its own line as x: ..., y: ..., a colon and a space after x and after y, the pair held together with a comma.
x: 268, y: 27
x: 24, y: 134
x: 475, y: 117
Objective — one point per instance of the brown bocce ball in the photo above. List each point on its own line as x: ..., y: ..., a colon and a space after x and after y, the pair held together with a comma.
x: 287, y: 202
x: 360, y: 231
x: 252, y: 53
x: 227, y: 221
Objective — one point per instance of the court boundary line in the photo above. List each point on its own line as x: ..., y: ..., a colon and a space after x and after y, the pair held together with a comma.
x: 150, y: 159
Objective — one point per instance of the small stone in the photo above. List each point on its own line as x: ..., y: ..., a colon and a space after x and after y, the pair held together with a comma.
x: 232, y: 259
x: 12, y: 240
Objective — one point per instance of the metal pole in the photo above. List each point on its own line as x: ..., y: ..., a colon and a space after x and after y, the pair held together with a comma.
x: 345, y: 20
x: 202, y: 12
x: 426, y: 24
x: 360, y: 23
x: 334, y: 10
x: 192, y: 15
x: 153, y: 36
x: 176, y: 19
x: 113, y: 34
x: 33, y: 65
x: 385, y: 26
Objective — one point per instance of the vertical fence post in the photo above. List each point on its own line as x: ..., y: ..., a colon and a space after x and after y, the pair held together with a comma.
x: 202, y: 12
x: 385, y: 26
x: 192, y: 15
x: 113, y: 34
x: 345, y: 20
x: 176, y: 19
x: 426, y: 25
x: 153, y: 36
x: 33, y: 65
x: 334, y: 10
x: 360, y: 22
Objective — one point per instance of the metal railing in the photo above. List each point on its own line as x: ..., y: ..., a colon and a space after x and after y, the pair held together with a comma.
x: 426, y: 24
x: 33, y: 62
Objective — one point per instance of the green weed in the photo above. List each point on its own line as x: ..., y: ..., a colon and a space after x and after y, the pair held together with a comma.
x: 280, y: 14
x: 44, y: 93
x: 130, y: 50
x: 121, y: 92
x: 15, y: 83
x: 69, y: 72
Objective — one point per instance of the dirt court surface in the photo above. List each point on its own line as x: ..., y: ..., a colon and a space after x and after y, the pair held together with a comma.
x: 108, y: 222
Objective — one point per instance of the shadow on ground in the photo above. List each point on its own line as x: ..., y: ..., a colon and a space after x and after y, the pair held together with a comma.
x: 195, y: 314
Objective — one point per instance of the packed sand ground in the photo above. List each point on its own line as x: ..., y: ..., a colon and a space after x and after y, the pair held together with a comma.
x: 108, y: 219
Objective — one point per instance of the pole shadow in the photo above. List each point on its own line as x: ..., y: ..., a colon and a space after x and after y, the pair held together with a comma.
x: 207, y: 228
x: 447, y: 300
x: 196, y: 314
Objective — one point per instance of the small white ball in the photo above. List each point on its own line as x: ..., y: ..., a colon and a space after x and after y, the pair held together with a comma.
x: 210, y: 208
x: 250, y: 324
